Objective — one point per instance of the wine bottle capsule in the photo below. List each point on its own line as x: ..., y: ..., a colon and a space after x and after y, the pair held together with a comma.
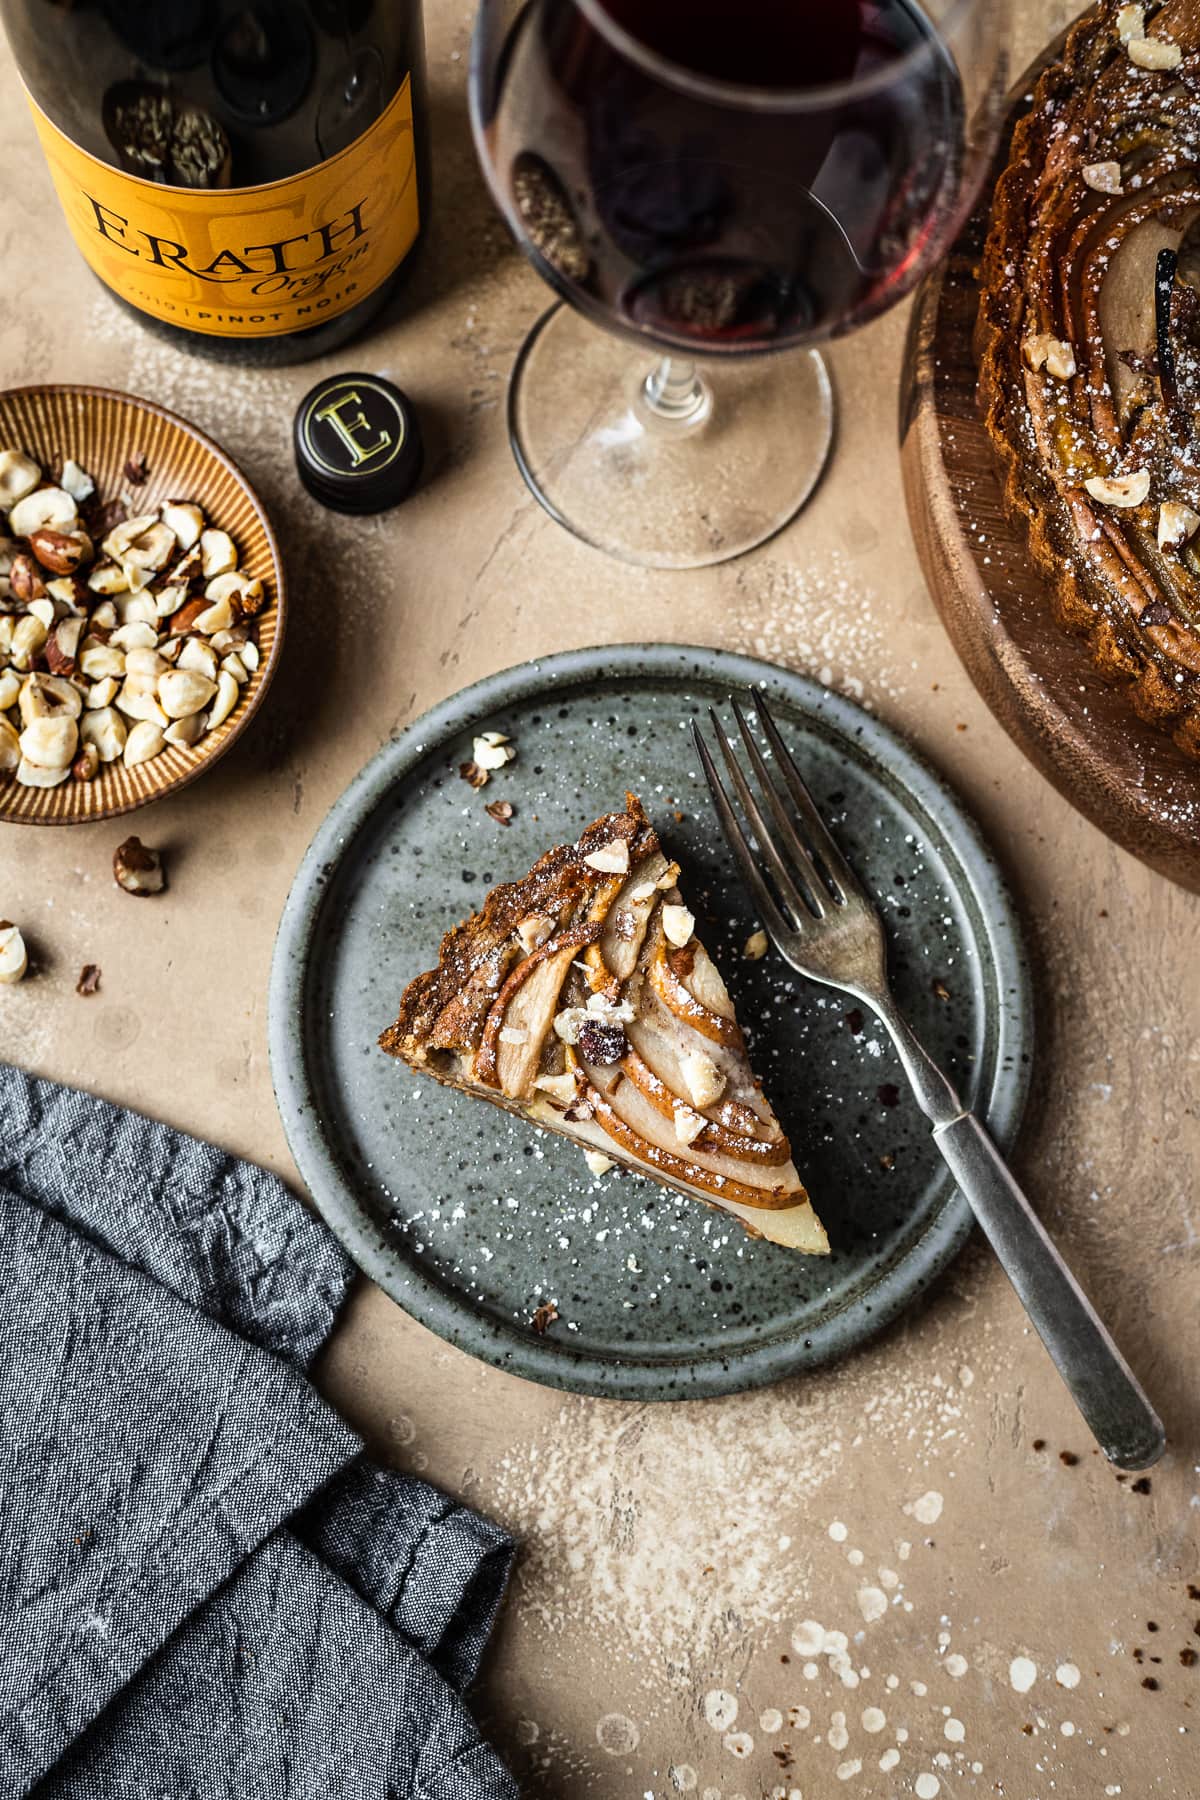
x: 358, y: 443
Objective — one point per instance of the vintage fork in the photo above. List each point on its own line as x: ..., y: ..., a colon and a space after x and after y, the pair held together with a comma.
x: 823, y: 923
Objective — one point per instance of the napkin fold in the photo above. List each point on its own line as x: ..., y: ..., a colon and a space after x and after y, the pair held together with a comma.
x: 205, y: 1588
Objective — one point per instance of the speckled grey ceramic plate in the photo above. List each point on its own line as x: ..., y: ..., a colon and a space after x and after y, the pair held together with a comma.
x: 470, y: 1219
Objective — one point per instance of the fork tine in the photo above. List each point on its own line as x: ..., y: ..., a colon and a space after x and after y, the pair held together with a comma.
x: 840, y: 873
x: 814, y: 888
x: 774, y: 920
x: 793, y: 895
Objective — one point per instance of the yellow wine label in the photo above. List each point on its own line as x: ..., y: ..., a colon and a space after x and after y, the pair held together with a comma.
x: 249, y: 261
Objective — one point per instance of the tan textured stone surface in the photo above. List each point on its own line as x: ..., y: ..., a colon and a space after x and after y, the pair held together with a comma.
x: 671, y: 1554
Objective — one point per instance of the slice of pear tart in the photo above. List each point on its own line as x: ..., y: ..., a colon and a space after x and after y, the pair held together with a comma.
x: 581, y: 998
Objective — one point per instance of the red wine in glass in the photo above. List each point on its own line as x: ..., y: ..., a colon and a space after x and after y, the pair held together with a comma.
x: 726, y: 176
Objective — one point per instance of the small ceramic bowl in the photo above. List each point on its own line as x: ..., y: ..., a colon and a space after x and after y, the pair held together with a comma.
x: 102, y: 429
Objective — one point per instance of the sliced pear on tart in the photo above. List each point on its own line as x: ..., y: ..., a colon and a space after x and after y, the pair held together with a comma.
x: 581, y: 998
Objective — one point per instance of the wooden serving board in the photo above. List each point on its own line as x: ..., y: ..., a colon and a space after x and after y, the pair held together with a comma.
x: 1122, y: 774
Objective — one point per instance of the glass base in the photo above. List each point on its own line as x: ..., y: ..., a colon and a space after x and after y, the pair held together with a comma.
x: 671, y: 466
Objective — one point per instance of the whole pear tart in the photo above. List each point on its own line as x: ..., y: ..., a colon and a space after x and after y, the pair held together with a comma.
x: 1089, y: 345
x: 581, y: 998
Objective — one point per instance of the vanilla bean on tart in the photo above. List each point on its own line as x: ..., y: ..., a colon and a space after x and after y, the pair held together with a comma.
x: 1089, y: 345
x: 581, y: 998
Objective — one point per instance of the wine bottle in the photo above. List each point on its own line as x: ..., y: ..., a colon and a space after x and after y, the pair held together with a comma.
x: 251, y: 178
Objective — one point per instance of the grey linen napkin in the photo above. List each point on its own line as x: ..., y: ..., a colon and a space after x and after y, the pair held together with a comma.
x: 205, y: 1590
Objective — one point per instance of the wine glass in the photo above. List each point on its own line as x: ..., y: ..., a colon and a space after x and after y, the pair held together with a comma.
x: 716, y: 179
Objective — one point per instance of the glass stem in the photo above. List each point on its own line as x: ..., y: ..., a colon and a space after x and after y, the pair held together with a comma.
x: 675, y: 393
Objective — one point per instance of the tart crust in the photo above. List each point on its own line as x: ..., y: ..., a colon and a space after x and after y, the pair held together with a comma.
x: 565, y: 1000
x: 1076, y: 383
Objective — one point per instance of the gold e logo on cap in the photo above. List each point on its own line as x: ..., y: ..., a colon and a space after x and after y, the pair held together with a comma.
x: 347, y: 428
x: 358, y: 445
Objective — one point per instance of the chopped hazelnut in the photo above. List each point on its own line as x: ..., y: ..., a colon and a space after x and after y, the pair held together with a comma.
x: 611, y: 859
x: 688, y: 1124
x: 1045, y: 350
x: 678, y: 925
x: 138, y: 869
x: 1176, y: 524
x: 492, y: 750
x: 1119, y: 490
x: 1103, y: 177
x: 1154, y: 53
x: 13, y: 957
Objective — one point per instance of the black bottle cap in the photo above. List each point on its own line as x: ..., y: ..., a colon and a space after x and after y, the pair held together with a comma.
x: 358, y: 443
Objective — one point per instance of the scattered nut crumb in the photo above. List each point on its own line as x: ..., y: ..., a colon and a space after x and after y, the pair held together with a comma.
x: 544, y: 1317
x: 755, y: 946
x: 136, y: 469
x: 492, y: 750
x: 138, y: 869
x: 501, y: 810
x: 13, y: 958
x: 472, y: 773
x: 597, y: 1162
x: 89, y: 979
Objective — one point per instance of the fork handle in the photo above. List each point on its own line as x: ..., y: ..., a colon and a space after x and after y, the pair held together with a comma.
x: 1104, y: 1387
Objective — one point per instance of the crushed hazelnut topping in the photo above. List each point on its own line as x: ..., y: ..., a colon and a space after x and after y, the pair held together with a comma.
x: 688, y: 1124
x: 500, y: 810
x: 755, y: 946
x: 1042, y: 350
x: 544, y: 1317
x: 533, y: 932
x: 562, y: 1088
x: 567, y: 1023
x: 678, y: 925
x: 1131, y: 23
x: 1104, y: 177
x: 1154, y: 53
x: 611, y: 858
x: 1119, y: 490
x: 704, y: 1081
x: 1176, y: 524
x: 473, y: 774
x: 619, y: 1012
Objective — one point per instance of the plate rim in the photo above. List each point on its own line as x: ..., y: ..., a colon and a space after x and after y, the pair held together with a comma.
x: 266, y: 673
x: 555, y: 1362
